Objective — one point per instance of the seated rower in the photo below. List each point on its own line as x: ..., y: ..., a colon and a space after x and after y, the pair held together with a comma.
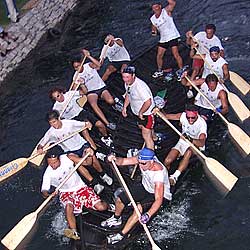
x: 215, y: 93
x: 74, y: 194
x: 7, y: 42
x: 117, y: 55
x: 194, y: 128
x: 74, y: 111
x: 94, y: 85
x: 75, y: 147
x: 154, y: 187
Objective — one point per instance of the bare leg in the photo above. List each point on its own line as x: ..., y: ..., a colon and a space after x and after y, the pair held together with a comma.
x: 107, y: 97
x: 96, y: 164
x: 119, y: 206
x: 131, y: 221
x: 110, y: 69
x: 185, y: 160
x: 147, y: 136
x: 101, y: 127
x: 88, y: 138
x: 101, y: 206
x: 159, y: 58
x: 70, y: 216
x: 177, y: 56
x: 92, y: 99
x: 172, y: 155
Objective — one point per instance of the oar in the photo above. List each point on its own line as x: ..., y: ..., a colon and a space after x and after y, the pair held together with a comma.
x: 135, y: 167
x: 238, y: 135
x: 18, y: 233
x: 237, y: 81
x: 222, y: 178
x: 15, y: 166
x: 236, y: 103
x: 154, y: 246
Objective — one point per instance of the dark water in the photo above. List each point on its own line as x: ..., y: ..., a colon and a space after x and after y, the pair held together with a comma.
x: 198, y: 218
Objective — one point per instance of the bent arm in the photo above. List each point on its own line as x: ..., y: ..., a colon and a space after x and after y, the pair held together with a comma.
x: 170, y: 7
x: 201, y: 141
x: 224, y: 102
x: 146, y: 105
x: 226, y: 75
x: 119, y: 41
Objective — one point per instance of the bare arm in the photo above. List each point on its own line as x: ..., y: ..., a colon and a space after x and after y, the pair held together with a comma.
x: 153, y: 30
x: 146, y: 105
x: 123, y: 161
x: 119, y: 42
x: 201, y: 141
x: 175, y: 117
x: 125, y: 105
x: 94, y: 62
x: 226, y: 75
x: 170, y: 7
x: 224, y: 102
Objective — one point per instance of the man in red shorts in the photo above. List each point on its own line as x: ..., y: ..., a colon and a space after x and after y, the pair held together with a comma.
x: 74, y: 194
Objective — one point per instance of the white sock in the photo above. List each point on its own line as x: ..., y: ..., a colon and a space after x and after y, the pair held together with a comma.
x: 176, y: 174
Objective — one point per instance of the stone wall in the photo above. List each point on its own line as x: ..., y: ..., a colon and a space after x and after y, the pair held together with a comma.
x: 30, y: 28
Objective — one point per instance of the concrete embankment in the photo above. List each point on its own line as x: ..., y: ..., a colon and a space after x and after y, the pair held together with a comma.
x: 30, y: 28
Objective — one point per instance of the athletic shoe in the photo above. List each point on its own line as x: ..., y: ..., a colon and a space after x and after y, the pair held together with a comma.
x: 111, y: 208
x: 107, y: 141
x: 70, y: 233
x: 114, y: 238
x: 111, y: 126
x: 98, y: 188
x: 117, y: 107
x: 112, y: 222
x: 180, y: 72
x: 107, y: 179
x: 100, y: 156
x: 172, y: 180
x: 157, y: 74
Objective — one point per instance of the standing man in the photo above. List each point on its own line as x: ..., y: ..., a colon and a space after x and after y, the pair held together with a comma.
x: 154, y: 187
x: 74, y: 194
x: 205, y: 39
x: 117, y: 55
x: 194, y: 128
x: 141, y: 101
x: 162, y: 22
x: 75, y: 147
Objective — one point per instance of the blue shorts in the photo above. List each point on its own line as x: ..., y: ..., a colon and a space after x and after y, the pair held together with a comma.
x: 97, y: 91
x: 79, y: 151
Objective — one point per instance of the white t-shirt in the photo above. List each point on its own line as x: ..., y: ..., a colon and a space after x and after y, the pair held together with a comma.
x: 215, y: 66
x: 166, y: 26
x: 73, y: 109
x: 138, y: 93
x: 205, y: 43
x: 211, y: 95
x: 149, y: 178
x: 53, y: 177
x: 68, y: 127
x: 116, y: 53
x: 90, y: 78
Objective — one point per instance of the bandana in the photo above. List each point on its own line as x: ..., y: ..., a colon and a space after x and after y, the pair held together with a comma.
x: 191, y: 113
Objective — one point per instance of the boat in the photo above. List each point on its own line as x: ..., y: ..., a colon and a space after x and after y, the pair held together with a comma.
x: 127, y: 136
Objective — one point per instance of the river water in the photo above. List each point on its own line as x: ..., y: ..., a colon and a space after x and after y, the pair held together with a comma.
x: 198, y: 218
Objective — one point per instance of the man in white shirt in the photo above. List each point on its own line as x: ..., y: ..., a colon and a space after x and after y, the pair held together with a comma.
x: 162, y: 22
x: 139, y: 97
x: 194, y: 128
x: 74, y: 194
x: 75, y: 147
x: 117, y: 55
x: 154, y: 188
x: 205, y: 39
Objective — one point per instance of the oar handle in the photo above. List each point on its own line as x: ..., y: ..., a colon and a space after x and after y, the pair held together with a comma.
x: 194, y: 148
x: 209, y: 102
x: 58, y: 142
x: 61, y: 184
x: 103, y: 54
x: 133, y: 204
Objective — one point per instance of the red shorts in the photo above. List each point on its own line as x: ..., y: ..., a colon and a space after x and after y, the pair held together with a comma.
x: 82, y: 197
x: 198, y: 63
x: 148, y: 122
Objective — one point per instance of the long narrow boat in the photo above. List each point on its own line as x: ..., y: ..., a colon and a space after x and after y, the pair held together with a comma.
x: 126, y: 136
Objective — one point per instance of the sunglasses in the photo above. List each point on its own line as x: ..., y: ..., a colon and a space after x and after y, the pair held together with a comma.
x: 142, y: 163
x: 191, y: 117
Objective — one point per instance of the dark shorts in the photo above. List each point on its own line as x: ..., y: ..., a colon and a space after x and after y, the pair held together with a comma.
x: 85, y: 115
x: 79, y: 151
x: 148, y: 122
x: 119, y: 64
x: 97, y: 91
x: 139, y: 194
x: 169, y: 44
x: 207, y: 114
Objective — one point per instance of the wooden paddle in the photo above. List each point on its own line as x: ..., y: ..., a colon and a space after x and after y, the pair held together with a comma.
x: 18, y: 233
x: 236, y: 103
x: 15, y: 166
x: 237, y: 81
x: 154, y: 246
x: 135, y: 167
x: 222, y: 178
x: 237, y: 134
x: 242, y: 85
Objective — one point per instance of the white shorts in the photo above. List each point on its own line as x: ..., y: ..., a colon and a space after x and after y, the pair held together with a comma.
x: 181, y: 146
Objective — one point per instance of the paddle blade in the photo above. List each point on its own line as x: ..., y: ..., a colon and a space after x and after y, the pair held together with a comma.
x: 239, y: 83
x: 240, y: 137
x: 238, y: 106
x: 12, y: 167
x: 81, y: 101
x: 37, y: 161
x: 222, y: 178
x: 17, y: 234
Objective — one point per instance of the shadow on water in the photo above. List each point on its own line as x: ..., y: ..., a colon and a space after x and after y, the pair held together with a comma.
x: 198, y: 218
